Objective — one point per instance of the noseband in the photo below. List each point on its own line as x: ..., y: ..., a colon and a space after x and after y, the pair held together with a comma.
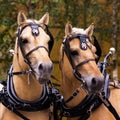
x: 83, y: 46
x: 35, y: 32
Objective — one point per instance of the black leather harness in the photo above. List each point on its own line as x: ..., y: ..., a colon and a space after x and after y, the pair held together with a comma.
x: 35, y: 32
x: 8, y: 96
x: 89, y: 104
x: 91, y: 101
x: 9, y: 99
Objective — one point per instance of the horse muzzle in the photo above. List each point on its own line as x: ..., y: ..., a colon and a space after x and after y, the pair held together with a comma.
x: 95, y: 84
x: 43, y: 71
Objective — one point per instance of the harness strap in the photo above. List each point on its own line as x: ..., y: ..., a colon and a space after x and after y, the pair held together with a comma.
x: 85, y: 61
x: 34, y: 49
x: 75, y: 93
x: 20, y: 115
x: 16, y: 112
x: 51, y: 42
x: 19, y: 73
x: 107, y: 103
x: 112, y: 110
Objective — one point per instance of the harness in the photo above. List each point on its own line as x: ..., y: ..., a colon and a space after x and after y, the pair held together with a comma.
x: 84, y: 109
x: 91, y: 101
x: 8, y: 95
x: 9, y: 99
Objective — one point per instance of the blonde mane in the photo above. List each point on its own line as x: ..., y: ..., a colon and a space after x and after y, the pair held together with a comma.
x: 82, y: 31
x: 78, y: 30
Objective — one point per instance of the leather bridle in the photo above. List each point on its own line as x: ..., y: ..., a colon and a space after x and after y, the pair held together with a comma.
x: 83, y: 46
x: 8, y: 96
x: 91, y: 101
x: 35, y: 32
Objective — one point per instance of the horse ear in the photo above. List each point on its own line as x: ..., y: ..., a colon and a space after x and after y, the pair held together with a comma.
x: 21, y: 18
x: 68, y: 29
x: 89, y: 30
x: 44, y: 20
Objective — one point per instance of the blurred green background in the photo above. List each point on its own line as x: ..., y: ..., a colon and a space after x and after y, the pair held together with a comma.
x: 105, y: 14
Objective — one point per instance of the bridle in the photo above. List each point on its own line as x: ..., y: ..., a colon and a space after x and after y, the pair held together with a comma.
x: 8, y: 95
x: 83, y: 46
x: 35, y: 32
x: 10, y: 100
x: 91, y: 101
x: 87, y: 102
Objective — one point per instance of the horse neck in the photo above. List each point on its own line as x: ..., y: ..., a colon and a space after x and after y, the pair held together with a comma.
x: 69, y: 83
x: 26, y: 86
x: 68, y: 87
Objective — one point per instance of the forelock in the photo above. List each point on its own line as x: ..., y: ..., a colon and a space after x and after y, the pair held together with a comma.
x: 78, y: 31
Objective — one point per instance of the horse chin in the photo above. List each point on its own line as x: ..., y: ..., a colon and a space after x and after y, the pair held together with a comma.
x: 93, y: 90
x: 42, y: 80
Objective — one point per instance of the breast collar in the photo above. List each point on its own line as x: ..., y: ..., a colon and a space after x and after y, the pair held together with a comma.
x: 85, y: 107
x: 10, y: 100
x: 89, y: 103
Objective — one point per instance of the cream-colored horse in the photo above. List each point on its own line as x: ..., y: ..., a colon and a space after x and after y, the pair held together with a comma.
x: 80, y: 74
x: 30, y: 71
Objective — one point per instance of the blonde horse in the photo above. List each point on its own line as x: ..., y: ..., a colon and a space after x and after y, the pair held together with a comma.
x: 27, y: 94
x: 81, y: 79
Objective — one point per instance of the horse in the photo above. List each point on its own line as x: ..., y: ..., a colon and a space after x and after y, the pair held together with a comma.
x: 27, y: 94
x: 81, y: 79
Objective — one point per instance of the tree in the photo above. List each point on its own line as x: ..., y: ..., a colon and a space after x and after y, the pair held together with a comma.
x: 115, y: 40
x: 79, y: 13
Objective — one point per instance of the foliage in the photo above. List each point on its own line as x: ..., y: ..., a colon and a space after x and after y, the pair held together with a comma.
x: 79, y: 13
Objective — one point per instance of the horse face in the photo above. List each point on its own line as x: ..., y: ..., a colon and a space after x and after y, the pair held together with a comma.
x: 86, y: 55
x: 35, y: 45
x: 89, y: 71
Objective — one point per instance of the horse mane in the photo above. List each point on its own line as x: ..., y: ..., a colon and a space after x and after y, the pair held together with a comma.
x: 78, y: 30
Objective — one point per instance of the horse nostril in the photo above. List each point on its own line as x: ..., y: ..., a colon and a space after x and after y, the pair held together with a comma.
x: 94, y: 81
x: 97, y: 83
x: 46, y: 67
x: 40, y: 67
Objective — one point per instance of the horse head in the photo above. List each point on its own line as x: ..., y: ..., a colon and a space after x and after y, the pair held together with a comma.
x: 33, y: 46
x: 78, y: 58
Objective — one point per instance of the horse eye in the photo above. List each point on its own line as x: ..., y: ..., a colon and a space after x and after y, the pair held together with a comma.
x: 24, y: 41
x: 74, y: 53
